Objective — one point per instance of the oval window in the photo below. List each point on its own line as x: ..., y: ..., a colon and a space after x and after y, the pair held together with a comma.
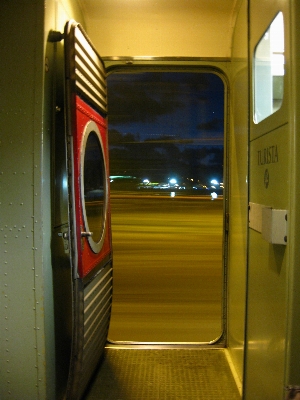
x: 93, y: 185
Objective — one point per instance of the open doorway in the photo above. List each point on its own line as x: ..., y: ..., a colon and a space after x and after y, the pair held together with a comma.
x: 166, y: 141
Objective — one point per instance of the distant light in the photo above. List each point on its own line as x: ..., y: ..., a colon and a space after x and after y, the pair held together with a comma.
x: 214, y: 182
x: 122, y: 177
x: 173, y: 181
x: 172, y: 194
x: 213, y: 195
x: 65, y: 182
x: 146, y: 181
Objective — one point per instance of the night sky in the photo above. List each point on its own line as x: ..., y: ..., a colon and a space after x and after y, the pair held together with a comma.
x: 166, y: 123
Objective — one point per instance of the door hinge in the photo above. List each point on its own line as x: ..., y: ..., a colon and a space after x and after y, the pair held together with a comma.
x: 227, y: 222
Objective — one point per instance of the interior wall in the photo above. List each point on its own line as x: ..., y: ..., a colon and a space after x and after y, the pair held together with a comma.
x: 66, y: 10
x: 238, y: 191
x: 26, y: 109
x: 170, y: 28
x: 269, y: 265
x: 292, y: 364
x: 25, y: 220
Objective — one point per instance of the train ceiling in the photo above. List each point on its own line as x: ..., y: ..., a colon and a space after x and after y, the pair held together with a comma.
x: 161, y: 27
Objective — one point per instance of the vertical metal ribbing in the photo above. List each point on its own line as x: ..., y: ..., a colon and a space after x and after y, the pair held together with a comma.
x: 97, y: 309
x: 90, y: 77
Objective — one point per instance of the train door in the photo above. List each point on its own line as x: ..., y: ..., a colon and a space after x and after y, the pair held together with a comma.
x: 83, y: 278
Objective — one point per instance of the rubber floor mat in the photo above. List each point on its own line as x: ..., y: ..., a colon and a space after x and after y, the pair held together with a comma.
x: 164, y: 374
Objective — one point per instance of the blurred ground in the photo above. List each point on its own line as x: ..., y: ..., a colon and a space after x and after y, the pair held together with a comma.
x: 167, y: 268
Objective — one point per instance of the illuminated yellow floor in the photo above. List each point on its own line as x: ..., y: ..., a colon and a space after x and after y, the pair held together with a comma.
x: 163, y: 374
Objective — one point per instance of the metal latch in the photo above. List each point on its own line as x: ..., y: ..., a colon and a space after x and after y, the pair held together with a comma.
x: 65, y: 236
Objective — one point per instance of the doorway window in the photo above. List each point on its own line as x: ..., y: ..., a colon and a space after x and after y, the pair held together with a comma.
x: 93, y: 186
x: 166, y: 141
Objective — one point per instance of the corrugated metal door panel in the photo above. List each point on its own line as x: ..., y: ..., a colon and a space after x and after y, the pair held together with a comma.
x: 89, y: 232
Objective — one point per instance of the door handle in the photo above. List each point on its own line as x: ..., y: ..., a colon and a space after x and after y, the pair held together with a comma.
x: 86, y: 234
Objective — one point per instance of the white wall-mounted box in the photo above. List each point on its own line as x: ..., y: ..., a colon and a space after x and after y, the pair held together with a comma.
x: 270, y: 222
x: 274, y: 225
x: 255, y: 216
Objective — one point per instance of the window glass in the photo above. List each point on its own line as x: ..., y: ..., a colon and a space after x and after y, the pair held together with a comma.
x: 269, y: 71
x: 94, y: 191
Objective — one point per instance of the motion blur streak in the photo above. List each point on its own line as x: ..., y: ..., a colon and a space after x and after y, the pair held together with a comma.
x: 167, y: 268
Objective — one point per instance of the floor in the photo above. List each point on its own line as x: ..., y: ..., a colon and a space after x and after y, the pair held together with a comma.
x: 163, y: 374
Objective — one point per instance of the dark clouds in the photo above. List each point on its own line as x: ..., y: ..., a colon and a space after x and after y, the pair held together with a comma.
x: 216, y: 124
x: 156, y: 118
x: 145, y: 97
x: 136, y: 101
